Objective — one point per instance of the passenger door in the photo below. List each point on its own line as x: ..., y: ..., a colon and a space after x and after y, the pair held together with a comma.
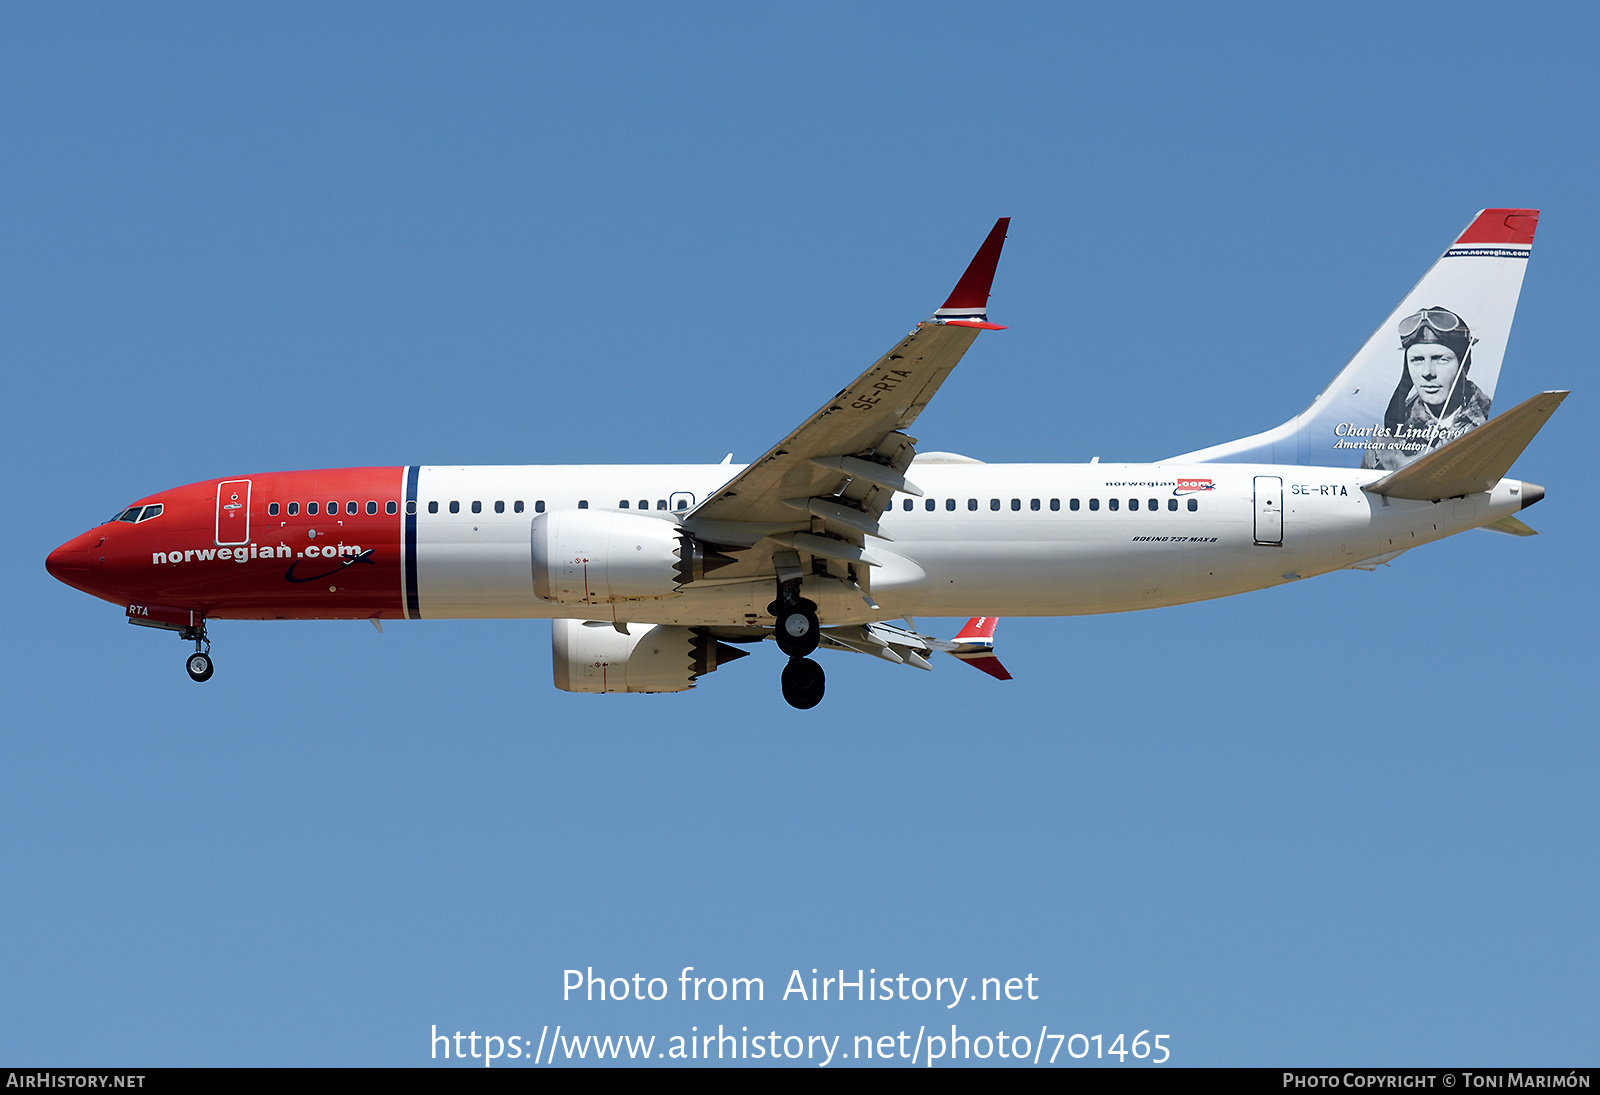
x: 233, y: 512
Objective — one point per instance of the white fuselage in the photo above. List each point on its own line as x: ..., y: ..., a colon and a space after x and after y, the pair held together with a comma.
x: 982, y: 549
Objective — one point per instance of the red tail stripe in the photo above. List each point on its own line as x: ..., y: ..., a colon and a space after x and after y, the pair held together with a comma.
x: 1502, y: 226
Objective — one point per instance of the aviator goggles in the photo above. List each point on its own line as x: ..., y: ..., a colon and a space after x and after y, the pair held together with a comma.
x: 1440, y: 319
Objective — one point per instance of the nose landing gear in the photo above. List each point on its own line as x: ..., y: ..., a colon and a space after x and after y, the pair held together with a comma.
x: 199, y: 663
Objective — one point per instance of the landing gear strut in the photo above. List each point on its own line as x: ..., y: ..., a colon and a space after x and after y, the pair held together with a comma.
x: 199, y: 663
x: 803, y: 683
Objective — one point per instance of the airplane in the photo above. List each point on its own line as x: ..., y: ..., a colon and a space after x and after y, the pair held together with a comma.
x: 656, y: 575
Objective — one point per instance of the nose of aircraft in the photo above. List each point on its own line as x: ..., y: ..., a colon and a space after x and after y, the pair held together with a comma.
x: 69, y: 563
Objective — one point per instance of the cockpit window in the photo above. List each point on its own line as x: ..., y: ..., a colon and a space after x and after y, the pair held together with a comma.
x: 130, y: 515
x: 151, y: 511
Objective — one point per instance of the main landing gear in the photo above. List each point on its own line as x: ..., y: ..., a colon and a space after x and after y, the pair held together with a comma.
x: 798, y: 633
x: 199, y: 663
x: 803, y: 683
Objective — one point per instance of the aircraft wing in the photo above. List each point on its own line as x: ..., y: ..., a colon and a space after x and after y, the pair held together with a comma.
x: 844, y: 463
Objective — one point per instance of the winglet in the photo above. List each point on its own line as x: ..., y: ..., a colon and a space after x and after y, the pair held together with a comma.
x: 969, y: 301
x: 975, y: 646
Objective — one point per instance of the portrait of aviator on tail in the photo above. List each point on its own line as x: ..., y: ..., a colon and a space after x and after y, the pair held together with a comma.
x: 1435, y: 401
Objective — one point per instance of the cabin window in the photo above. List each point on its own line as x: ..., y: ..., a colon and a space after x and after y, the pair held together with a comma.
x: 644, y: 503
x: 1016, y: 504
x: 1172, y: 503
x: 1094, y: 504
x: 311, y: 508
x: 583, y: 503
x: 455, y: 507
x: 972, y: 503
x: 389, y: 507
x: 433, y: 507
x: 294, y: 508
x: 683, y: 504
x: 622, y: 504
x: 950, y: 504
x: 411, y: 507
x: 1133, y: 504
x: 1112, y: 503
x: 994, y: 504
x: 1034, y: 505
x: 930, y: 505
x: 352, y: 508
x: 538, y: 507
x: 477, y: 507
x: 272, y: 509
x: 372, y: 508
x: 500, y: 507
x: 516, y: 507
x: 1194, y: 504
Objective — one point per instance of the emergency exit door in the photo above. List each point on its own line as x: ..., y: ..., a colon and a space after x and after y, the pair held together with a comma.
x: 1269, y: 510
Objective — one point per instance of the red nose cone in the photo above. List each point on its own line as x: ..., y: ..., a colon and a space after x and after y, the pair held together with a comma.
x: 70, y: 562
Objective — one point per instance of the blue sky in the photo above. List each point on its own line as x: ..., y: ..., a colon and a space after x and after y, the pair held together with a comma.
x: 1346, y: 821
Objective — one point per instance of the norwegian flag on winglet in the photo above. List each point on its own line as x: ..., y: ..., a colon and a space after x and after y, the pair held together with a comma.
x: 975, y: 646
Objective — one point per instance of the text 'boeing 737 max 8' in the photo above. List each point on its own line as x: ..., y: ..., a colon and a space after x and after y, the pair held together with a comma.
x: 654, y: 575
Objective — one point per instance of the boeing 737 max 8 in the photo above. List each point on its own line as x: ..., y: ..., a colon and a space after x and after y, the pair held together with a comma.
x: 655, y: 575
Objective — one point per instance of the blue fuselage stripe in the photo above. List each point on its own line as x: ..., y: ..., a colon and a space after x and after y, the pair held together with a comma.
x: 413, y: 606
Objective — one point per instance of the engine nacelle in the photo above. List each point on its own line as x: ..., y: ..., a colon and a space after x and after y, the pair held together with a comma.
x: 654, y: 658
x: 593, y: 557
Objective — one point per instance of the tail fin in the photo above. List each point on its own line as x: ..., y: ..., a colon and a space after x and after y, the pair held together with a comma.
x: 975, y: 646
x: 1390, y: 405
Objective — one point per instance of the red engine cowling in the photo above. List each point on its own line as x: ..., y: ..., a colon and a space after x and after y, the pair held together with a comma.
x: 591, y: 657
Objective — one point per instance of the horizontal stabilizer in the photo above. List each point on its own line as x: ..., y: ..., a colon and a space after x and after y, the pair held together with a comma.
x: 1475, y: 461
x: 1511, y: 527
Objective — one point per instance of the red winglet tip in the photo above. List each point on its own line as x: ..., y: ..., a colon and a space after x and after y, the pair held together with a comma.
x: 974, y: 323
x: 1502, y: 226
x: 989, y: 664
x: 972, y: 291
x: 979, y: 627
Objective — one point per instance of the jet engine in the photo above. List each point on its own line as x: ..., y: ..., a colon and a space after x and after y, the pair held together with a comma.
x: 589, y: 657
x: 592, y: 557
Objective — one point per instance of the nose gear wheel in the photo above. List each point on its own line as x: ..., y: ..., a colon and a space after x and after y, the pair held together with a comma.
x: 199, y: 663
